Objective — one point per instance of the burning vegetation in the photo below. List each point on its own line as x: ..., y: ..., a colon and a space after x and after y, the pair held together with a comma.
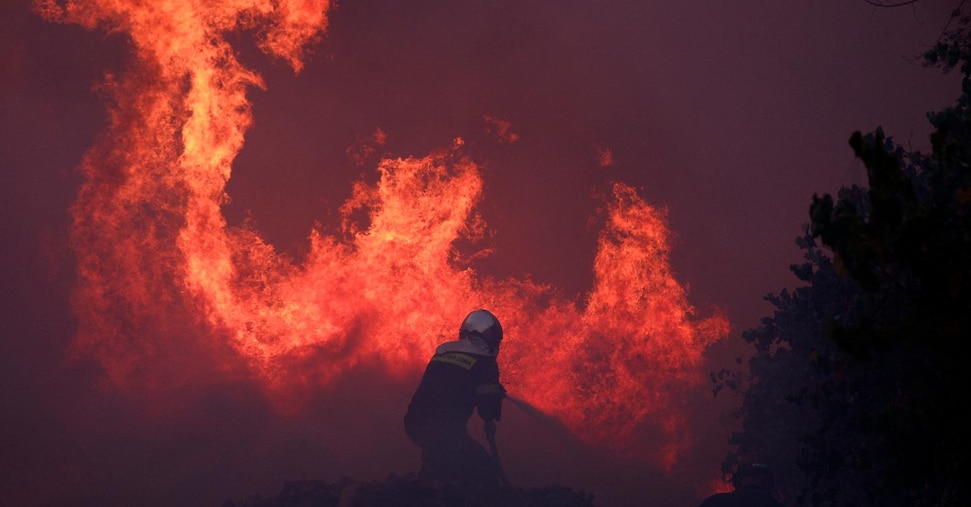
x: 162, y: 276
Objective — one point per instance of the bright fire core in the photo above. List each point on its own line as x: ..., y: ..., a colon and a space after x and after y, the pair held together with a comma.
x: 153, y: 247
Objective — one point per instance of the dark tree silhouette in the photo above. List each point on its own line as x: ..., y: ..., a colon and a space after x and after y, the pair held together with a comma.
x: 856, y: 392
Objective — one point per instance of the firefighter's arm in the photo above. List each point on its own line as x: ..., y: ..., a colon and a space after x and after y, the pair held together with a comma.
x: 489, y: 427
x: 489, y: 401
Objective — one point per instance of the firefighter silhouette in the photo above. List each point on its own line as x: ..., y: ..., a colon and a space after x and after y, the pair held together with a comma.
x: 461, y: 377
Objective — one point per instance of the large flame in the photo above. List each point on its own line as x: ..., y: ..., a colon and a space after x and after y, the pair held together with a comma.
x: 152, y: 245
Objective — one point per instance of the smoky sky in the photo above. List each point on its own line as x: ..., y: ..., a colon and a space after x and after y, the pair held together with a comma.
x: 730, y: 116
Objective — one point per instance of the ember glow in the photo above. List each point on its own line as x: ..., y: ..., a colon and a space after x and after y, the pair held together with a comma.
x: 153, y: 247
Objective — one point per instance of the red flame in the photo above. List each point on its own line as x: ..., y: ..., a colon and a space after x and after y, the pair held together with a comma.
x: 152, y: 243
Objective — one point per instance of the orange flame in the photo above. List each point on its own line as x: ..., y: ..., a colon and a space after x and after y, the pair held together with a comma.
x: 152, y: 243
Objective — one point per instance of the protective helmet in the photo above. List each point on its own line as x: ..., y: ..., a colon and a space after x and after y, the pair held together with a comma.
x: 484, y: 324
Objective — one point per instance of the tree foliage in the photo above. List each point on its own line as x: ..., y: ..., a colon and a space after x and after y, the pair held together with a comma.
x: 856, y: 392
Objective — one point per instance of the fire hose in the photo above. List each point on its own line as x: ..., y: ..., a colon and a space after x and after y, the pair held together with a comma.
x: 556, y: 430
x: 490, y: 432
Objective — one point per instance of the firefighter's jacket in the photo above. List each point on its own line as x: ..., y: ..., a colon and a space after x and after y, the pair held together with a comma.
x: 462, y: 376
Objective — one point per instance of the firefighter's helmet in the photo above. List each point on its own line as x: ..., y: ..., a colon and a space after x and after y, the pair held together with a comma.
x: 484, y: 324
